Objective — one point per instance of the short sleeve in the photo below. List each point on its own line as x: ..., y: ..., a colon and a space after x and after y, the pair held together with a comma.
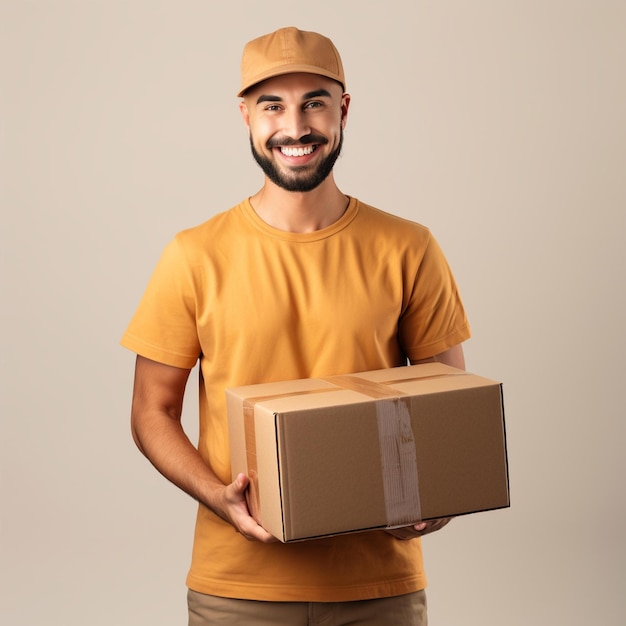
x: 164, y: 327
x: 434, y: 319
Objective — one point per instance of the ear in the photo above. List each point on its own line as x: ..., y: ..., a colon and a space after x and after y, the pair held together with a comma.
x: 345, y: 104
x: 243, y: 109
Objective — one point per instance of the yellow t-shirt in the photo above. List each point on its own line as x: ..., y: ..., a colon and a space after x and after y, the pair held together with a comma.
x: 256, y: 304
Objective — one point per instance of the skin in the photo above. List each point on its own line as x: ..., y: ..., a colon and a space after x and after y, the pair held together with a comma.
x: 285, y: 111
x: 282, y: 111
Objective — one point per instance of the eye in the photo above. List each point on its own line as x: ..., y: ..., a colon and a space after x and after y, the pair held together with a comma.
x: 272, y: 107
x: 314, y: 104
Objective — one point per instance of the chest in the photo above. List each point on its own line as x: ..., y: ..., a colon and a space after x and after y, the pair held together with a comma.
x: 307, y: 293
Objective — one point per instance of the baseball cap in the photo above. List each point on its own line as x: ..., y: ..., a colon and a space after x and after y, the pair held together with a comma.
x: 286, y: 51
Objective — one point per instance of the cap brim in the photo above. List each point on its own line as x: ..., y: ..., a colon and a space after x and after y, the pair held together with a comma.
x: 281, y: 70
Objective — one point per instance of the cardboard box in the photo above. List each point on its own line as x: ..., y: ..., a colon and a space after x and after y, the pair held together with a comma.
x: 373, y: 450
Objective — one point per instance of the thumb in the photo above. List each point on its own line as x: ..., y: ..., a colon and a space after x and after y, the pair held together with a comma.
x: 240, y: 484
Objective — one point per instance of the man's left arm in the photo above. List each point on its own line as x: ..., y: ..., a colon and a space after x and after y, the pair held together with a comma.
x: 452, y: 356
x: 455, y: 358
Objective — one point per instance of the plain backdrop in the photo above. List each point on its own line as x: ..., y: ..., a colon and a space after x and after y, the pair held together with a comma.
x: 500, y: 124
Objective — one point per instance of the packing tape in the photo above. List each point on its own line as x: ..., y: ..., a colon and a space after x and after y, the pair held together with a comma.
x: 252, y: 493
x: 361, y: 385
x: 399, y: 462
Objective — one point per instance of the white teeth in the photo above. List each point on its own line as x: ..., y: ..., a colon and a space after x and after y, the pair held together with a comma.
x: 296, y: 151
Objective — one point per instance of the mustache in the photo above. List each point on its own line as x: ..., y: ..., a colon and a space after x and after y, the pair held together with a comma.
x: 274, y: 142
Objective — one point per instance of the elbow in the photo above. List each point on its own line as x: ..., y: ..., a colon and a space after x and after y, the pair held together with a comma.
x: 134, y: 431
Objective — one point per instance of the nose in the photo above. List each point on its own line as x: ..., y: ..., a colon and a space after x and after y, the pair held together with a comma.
x: 295, y: 124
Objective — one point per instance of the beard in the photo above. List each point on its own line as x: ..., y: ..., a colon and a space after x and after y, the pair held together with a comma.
x: 303, y: 178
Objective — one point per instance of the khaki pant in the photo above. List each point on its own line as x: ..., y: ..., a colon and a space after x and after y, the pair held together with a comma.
x: 405, y: 610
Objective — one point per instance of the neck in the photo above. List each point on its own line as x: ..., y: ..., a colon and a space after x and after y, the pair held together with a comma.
x: 300, y: 212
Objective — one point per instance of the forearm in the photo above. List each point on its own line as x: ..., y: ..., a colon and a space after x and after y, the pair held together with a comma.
x: 453, y: 357
x: 162, y: 440
x: 157, y: 430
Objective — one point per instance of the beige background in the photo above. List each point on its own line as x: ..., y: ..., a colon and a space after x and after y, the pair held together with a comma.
x: 498, y: 123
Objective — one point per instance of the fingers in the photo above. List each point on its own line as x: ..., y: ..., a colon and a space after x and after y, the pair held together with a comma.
x: 404, y: 534
x: 425, y: 528
x: 237, y: 513
x: 253, y: 532
x: 419, y: 530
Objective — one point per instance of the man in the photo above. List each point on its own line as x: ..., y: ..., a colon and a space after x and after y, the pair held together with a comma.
x: 297, y: 281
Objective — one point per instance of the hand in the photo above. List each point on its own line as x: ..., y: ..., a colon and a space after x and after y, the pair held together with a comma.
x: 233, y: 509
x: 419, y: 530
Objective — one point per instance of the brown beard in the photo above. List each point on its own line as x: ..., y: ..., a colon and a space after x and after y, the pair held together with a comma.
x: 302, y: 180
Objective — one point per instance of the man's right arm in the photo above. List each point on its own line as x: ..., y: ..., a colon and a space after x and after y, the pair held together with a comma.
x: 157, y: 430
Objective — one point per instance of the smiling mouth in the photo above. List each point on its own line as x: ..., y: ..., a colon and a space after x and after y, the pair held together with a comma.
x: 298, y: 151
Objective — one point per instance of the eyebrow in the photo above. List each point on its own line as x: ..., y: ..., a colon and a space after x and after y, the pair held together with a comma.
x: 307, y: 96
x: 316, y: 94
